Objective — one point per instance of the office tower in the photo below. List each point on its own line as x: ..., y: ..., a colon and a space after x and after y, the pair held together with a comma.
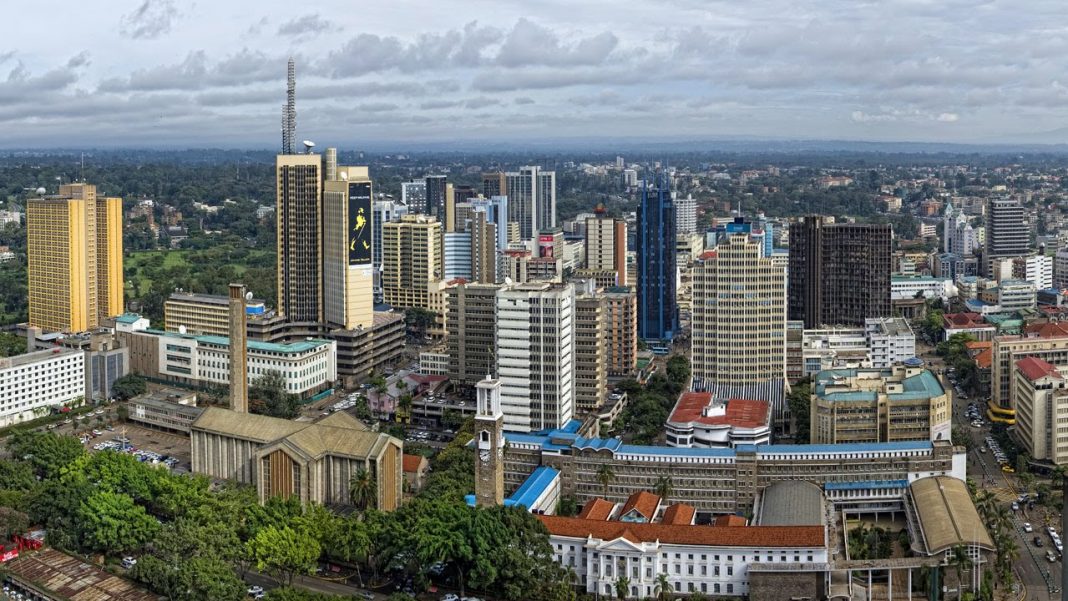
x: 535, y: 333
x: 413, y: 194
x: 74, y: 252
x: 606, y: 245
x: 1006, y: 232
x: 298, y: 179
x: 435, y: 197
x: 1037, y: 269
x: 621, y: 335
x: 384, y: 211
x: 484, y: 240
x: 630, y: 178
x: 348, y: 273
x: 489, y: 428
x: 494, y: 184
x: 739, y: 322
x: 839, y: 273
x: 411, y: 260
x: 1060, y: 269
x: 531, y: 196
x: 658, y: 315
x: 470, y: 341
x: 239, y: 345
x: 457, y: 256
x: 686, y: 222
x: 590, y: 359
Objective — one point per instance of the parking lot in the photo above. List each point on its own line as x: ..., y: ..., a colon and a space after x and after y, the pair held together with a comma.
x: 145, y: 444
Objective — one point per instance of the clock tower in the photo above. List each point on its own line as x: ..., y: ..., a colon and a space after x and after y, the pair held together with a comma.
x: 489, y: 438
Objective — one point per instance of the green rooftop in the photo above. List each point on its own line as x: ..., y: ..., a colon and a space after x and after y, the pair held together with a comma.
x: 301, y: 346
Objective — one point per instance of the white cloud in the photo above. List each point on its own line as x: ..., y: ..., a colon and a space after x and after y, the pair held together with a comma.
x: 150, y: 20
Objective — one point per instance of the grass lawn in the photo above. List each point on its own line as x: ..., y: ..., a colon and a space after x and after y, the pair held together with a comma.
x: 135, y: 265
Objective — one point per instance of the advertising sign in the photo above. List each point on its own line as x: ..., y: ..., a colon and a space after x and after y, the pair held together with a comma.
x: 545, y: 246
x: 359, y: 223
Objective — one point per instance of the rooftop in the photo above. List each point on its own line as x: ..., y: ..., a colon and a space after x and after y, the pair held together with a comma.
x: 72, y: 578
x: 411, y: 463
x: 790, y: 503
x: 533, y: 487
x: 845, y: 384
x: 1034, y: 368
x: 35, y: 356
x: 681, y: 513
x: 729, y: 536
x: 703, y: 408
x: 645, y: 503
x: 597, y: 509
x: 947, y: 516
x: 964, y: 320
x: 889, y: 326
x: 301, y: 346
x: 128, y: 318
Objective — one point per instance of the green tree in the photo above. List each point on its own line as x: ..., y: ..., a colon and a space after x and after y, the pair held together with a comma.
x: 799, y: 400
x: 285, y: 552
x: 268, y: 396
x: 605, y: 475
x: 622, y: 587
x: 363, y: 490
x: 678, y: 369
x: 112, y: 523
x: 567, y: 507
x: 11, y: 344
x: 129, y: 386
x: 665, y: 487
x: 48, y: 453
x: 12, y: 521
x: 662, y: 588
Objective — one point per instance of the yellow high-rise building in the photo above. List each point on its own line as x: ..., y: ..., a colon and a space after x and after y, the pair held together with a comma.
x: 411, y: 261
x: 348, y: 299
x: 74, y: 251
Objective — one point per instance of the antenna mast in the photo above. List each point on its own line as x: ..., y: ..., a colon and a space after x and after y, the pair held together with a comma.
x: 289, y: 111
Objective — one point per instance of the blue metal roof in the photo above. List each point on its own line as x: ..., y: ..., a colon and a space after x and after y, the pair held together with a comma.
x: 675, y: 451
x: 911, y: 445
x: 533, y: 487
x: 866, y: 484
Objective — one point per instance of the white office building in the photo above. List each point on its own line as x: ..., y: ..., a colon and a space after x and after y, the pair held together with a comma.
x: 535, y: 352
x: 890, y: 340
x: 1038, y: 269
x: 685, y: 216
x: 36, y: 381
x: 385, y: 211
x: 413, y: 194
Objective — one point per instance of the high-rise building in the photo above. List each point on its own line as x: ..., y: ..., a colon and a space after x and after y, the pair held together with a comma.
x: 384, y: 211
x: 470, y: 341
x: 298, y: 180
x: 686, y: 222
x: 1060, y: 269
x: 411, y: 261
x: 348, y: 226
x: 483, y: 248
x: 606, y: 245
x: 590, y: 359
x: 531, y: 196
x: 1007, y: 234
x: 1037, y: 269
x: 456, y: 256
x: 621, y: 335
x: 535, y: 355
x: 74, y: 252
x: 658, y: 314
x: 839, y: 273
x: 435, y: 196
x: 413, y: 194
x: 739, y: 323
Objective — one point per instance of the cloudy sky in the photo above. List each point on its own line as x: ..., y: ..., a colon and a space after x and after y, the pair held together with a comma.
x: 172, y: 73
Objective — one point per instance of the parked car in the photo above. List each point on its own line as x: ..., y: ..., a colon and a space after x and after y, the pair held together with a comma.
x: 1038, y: 541
x: 128, y: 562
x: 254, y: 590
x: 1027, y: 527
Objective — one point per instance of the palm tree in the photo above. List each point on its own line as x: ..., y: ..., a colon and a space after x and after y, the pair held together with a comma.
x: 986, y: 502
x: 622, y: 587
x: 605, y: 476
x: 662, y: 586
x: 664, y: 488
x: 363, y: 490
x: 960, y: 560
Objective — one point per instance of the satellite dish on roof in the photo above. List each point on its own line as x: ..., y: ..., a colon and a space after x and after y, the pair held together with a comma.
x: 308, y: 145
x: 248, y: 296
x: 41, y: 191
x: 181, y: 329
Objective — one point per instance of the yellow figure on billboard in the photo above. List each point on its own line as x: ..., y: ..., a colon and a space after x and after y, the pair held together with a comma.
x: 361, y: 222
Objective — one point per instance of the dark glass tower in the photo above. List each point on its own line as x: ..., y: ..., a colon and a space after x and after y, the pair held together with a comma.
x: 658, y: 311
x: 435, y: 197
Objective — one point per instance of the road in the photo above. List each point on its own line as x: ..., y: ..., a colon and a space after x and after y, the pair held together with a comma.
x: 1032, y: 567
x: 309, y: 583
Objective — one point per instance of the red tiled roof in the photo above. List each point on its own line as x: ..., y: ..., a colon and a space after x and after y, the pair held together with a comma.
x: 721, y: 536
x: 643, y: 501
x: 679, y: 513
x: 964, y: 320
x: 729, y: 520
x: 1034, y: 368
x: 597, y: 509
x: 985, y: 359
x: 973, y: 345
x: 744, y: 413
x: 708, y: 254
x: 412, y: 462
x: 1052, y: 329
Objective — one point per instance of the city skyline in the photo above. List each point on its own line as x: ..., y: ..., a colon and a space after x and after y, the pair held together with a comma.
x: 214, y: 75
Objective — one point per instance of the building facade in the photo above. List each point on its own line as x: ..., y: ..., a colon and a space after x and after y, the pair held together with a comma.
x: 686, y: 223
x: 739, y: 322
x: 384, y: 211
x: 74, y: 259
x: 1041, y: 394
x: 590, y: 359
x: 622, y: 331
x: 471, y: 326
x: 411, y: 261
x: 34, y: 383
x: 890, y: 341
x: 658, y: 312
x: 299, y: 185
x: 1007, y: 234
x: 606, y: 246
x: 535, y: 355
x: 839, y: 273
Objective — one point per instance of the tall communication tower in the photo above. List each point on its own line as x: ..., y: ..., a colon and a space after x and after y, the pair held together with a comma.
x: 289, y: 111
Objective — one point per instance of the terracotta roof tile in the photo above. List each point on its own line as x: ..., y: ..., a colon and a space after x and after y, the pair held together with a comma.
x: 744, y: 413
x: 412, y: 462
x: 730, y: 520
x: 724, y: 536
x: 678, y: 514
x: 597, y: 509
x: 1053, y: 329
x: 985, y: 359
x: 644, y: 502
x: 1034, y: 368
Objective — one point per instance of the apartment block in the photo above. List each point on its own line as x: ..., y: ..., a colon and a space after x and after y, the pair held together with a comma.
x: 590, y: 359
x: 606, y: 246
x: 471, y: 325
x: 621, y: 334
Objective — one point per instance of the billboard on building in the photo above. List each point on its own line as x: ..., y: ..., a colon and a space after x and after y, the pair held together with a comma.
x: 359, y: 223
x: 545, y: 246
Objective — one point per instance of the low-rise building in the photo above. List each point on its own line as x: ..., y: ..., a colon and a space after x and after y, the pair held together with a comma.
x: 415, y: 471
x: 191, y: 313
x: 1041, y: 393
x: 34, y: 383
x: 972, y: 324
x: 903, y: 403
x: 910, y: 286
x: 701, y: 420
x: 890, y: 341
x: 168, y: 409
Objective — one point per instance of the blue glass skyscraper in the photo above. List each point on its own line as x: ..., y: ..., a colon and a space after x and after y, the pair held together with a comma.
x: 658, y: 311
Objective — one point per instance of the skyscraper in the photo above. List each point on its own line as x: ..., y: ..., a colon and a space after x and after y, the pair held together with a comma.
x: 658, y: 314
x: 531, y: 196
x: 535, y: 346
x: 348, y: 273
x: 590, y: 356
x: 413, y: 194
x: 298, y: 179
x: 483, y: 248
x: 839, y: 273
x: 686, y: 222
x: 411, y: 260
x: 383, y: 211
x: 435, y: 197
x: 470, y: 340
x: 1006, y: 232
x: 606, y: 245
x: 739, y: 322
x: 74, y: 253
